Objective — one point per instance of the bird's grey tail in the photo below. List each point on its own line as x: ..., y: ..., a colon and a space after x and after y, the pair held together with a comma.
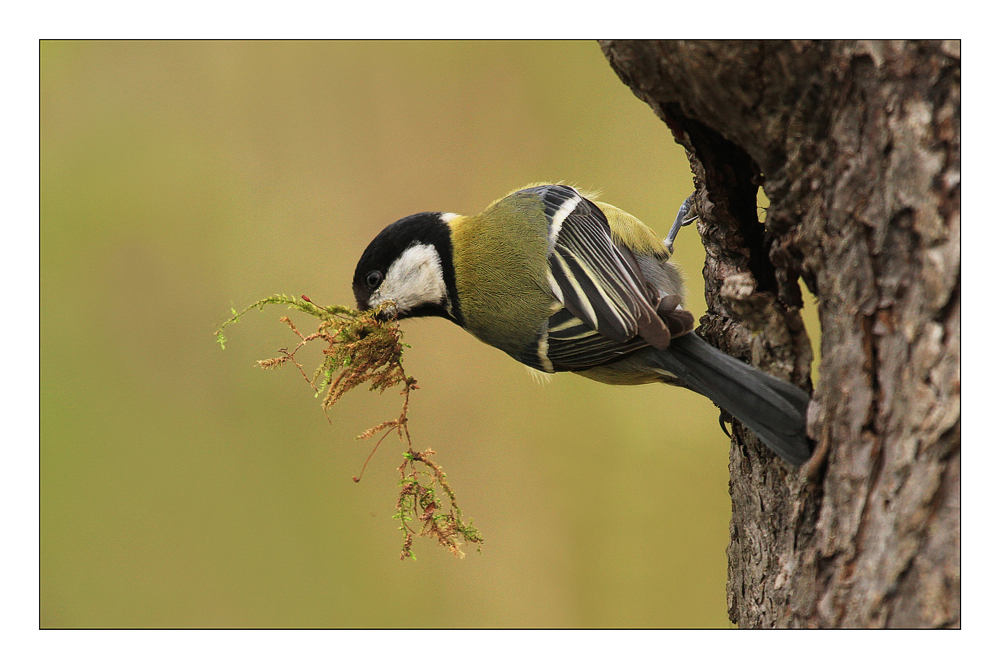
x: 773, y: 409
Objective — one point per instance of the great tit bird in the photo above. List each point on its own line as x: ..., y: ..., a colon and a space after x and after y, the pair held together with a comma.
x: 563, y: 283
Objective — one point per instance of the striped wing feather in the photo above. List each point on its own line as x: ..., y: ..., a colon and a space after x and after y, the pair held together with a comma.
x: 608, y: 306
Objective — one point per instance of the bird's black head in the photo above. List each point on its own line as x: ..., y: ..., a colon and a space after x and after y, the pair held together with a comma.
x: 408, y: 267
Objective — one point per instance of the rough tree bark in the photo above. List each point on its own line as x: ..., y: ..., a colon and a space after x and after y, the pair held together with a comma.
x: 856, y: 145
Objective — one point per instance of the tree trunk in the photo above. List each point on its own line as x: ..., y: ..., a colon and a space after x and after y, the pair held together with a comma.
x: 856, y: 145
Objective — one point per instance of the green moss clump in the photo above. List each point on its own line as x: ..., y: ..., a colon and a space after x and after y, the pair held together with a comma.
x: 363, y: 348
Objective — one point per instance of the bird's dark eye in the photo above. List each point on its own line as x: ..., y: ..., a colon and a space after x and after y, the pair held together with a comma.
x: 373, y: 279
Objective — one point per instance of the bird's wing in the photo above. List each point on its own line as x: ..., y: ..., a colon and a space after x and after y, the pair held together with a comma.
x: 565, y: 344
x: 609, y: 308
x: 597, y: 280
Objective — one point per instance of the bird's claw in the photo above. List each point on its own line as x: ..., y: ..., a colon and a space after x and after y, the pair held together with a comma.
x: 725, y: 417
x: 679, y: 222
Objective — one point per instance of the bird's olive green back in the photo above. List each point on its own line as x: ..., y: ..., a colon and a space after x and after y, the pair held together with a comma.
x: 629, y: 231
x: 501, y: 262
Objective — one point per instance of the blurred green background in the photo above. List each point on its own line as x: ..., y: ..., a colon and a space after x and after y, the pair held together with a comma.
x: 182, y: 487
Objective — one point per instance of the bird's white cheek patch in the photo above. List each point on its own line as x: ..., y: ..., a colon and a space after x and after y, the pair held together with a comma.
x: 415, y: 278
